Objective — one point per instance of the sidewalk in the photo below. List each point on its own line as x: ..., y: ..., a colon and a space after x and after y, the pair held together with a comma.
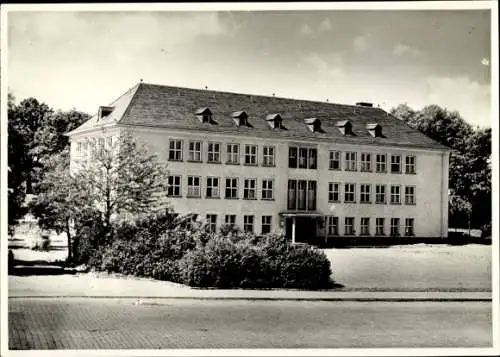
x: 102, y: 286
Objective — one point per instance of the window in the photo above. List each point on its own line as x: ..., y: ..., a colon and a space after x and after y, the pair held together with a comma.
x: 175, y: 150
x: 250, y: 154
x: 212, y: 187
x: 380, y: 164
x: 349, y: 226
x: 307, y: 158
x: 266, y: 224
x: 248, y: 223
x: 249, y: 189
x: 333, y: 192
x: 302, y: 158
x: 301, y: 195
x: 365, y: 194
x: 292, y: 158
x: 380, y: 194
x: 292, y: 194
x: 233, y: 154
x: 379, y: 226
x: 230, y: 219
x: 366, y: 162
x: 92, y: 146
x: 409, y: 227
x: 311, y: 195
x: 100, y: 146
x: 302, y: 192
x: 334, y: 160
x: 267, y: 189
x: 84, y: 150
x: 350, y: 192
x: 194, y: 188
x: 174, y: 186
x: 365, y: 226
x: 350, y: 161
x: 231, y: 188
x: 212, y: 222
x: 206, y: 118
x: 395, y: 164
x: 214, y: 153
x: 79, y: 149
x: 410, y: 164
x: 109, y: 142
x: 395, y: 195
x: 195, y: 151
x: 394, y: 227
x: 268, y: 156
x: 333, y: 226
x: 410, y: 195
x: 313, y: 158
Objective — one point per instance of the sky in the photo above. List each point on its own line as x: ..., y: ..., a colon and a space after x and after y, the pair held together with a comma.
x: 86, y: 59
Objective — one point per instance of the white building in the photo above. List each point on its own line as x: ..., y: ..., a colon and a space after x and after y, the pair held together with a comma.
x: 310, y: 169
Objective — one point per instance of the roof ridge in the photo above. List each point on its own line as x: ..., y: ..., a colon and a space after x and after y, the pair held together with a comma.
x: 263, y: 96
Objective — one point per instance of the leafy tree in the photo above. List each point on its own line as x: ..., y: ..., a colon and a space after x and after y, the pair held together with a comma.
x: 50, y: 139
x: 470, y: 169
x: 54, y: 206
x: 403, y: 112
x: 38, y: 133
x: 25, y: 119
x: 35, y: 135
x: 16, y: 163
x: 117, y: 182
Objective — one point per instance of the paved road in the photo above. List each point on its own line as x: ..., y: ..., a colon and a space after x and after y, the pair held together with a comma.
x: 82, y: 323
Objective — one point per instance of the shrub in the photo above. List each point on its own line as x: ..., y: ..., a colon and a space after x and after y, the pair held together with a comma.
x: 168, y: 247
x: 272, y: 263
x: 486, y: 230
x: 146, y: 254
x: 229, y: 229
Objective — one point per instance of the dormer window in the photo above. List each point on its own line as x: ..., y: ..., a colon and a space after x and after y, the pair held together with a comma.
x: 374, y: 129
x: 104, y: 112
x: 314, y: 124
x: 274, y: 121
x: 345, y: 127
x: 204, y: 115
x: 240, y: 118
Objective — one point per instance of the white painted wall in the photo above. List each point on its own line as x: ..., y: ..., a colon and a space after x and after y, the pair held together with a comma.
x: 431, y: 181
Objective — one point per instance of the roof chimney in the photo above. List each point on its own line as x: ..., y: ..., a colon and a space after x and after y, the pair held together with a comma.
x: 364, y: 104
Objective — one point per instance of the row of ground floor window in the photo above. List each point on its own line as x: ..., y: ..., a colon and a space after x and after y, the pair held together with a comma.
x: 301, y: 193
x: 332, y: 225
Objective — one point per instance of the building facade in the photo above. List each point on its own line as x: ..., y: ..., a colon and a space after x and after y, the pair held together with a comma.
x: 265, y: 164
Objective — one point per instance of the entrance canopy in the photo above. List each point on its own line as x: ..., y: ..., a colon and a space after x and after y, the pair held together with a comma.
x: 300, y: 214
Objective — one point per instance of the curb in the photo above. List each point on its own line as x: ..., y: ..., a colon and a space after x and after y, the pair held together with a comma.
x: 231, y: 298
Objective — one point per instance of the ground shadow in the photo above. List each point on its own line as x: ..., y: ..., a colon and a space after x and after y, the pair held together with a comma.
x: 20, y: 267
x: 18, y: 246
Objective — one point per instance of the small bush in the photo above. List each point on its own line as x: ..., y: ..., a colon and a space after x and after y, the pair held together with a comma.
x: 486, y: 230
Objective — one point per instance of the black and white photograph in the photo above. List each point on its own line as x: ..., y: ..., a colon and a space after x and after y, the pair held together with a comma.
x: 273, y: 179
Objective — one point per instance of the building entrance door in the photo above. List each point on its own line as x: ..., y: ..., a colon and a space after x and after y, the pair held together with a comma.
x: 305, y: 229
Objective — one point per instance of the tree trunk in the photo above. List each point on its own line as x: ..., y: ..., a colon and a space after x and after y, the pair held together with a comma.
x: 29, y: 184
x: 68, y: 235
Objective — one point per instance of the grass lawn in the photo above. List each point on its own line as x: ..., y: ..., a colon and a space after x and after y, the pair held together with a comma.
x: 413, y: 267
